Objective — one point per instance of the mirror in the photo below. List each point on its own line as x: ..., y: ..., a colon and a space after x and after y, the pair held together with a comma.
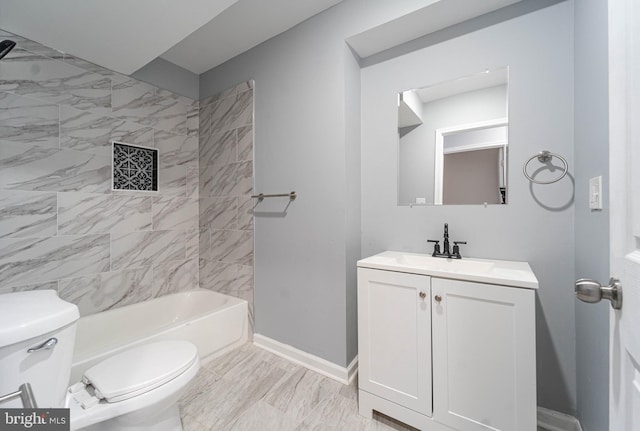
x: 453, y: 141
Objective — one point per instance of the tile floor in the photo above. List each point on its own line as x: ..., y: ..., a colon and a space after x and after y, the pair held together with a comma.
x: 250, y: 389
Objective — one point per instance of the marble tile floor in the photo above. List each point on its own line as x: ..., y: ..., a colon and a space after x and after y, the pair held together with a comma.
x: 250, y: 389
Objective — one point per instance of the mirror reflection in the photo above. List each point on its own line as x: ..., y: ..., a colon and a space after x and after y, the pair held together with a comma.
x: 453, y: 141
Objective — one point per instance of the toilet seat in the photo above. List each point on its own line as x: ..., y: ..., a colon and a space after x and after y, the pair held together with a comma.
x: 140, y: 369
x: 88, y: 409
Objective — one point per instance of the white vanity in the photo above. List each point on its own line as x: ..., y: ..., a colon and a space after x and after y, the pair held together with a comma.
x: 447, y: 344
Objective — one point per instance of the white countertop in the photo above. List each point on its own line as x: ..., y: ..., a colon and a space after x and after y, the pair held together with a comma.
x: 502, y: 272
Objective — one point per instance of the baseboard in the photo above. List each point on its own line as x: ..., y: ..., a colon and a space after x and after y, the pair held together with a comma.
x: 344, y: 375
x: 555, y: 421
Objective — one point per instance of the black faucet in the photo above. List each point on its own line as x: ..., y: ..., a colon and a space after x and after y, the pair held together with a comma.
x: 446, y: 252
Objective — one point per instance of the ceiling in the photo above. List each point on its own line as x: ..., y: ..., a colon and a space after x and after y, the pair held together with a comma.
x: 125, y: 35
x: 239, y: 28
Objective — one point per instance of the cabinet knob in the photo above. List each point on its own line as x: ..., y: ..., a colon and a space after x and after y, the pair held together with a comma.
x: 438, y: 298
x: 423, y: 295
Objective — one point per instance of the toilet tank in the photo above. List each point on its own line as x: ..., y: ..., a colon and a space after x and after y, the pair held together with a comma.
x: 29, y: 320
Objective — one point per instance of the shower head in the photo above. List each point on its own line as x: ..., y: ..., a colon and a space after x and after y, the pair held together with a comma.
x: 6, y: 46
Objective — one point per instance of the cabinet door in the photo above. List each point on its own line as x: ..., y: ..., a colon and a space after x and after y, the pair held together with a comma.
x: 483, y: 356
x: 394, y: 337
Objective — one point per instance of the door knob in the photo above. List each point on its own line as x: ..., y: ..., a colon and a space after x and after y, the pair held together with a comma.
x: 588, y: 290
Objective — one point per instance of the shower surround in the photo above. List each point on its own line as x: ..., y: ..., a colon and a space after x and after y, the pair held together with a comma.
x: 61, y: 225
x: 226, y: 185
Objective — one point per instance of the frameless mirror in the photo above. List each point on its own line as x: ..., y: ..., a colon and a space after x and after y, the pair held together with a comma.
x: 453, y: 141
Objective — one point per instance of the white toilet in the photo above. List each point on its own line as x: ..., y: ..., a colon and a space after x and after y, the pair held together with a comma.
x: 134, y: 390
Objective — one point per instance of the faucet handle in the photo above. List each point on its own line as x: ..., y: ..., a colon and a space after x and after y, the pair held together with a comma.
x: 456, y: 249
x: 436, y: 246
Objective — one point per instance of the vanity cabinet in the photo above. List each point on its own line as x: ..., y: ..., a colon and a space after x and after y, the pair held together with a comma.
x: 448, y: 347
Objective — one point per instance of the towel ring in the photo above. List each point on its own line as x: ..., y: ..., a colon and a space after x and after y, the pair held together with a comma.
x: 543, y: 157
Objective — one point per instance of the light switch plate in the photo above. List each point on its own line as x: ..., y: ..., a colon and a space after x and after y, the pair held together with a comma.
x: 595, y: 193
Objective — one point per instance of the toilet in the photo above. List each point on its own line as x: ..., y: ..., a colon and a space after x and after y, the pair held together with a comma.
x: 134, y: 390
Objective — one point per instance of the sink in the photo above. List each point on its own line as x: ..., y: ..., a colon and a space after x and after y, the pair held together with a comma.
x: 503, y: 272
x: 440, y: 264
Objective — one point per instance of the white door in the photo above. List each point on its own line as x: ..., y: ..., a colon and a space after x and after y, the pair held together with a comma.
x: 624, y: 141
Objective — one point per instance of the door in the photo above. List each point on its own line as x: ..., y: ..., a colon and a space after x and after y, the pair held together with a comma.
x: 624, y: 142
x: 484, y: 366
x: 394, y: 337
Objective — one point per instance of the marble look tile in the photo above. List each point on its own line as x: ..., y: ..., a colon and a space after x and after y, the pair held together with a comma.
x: 136, y: 249
x: 143, y: 105
x: 300, y: 392
x: 24, y: 214
x: 28, y: 167
x: 262, y: 416
x: 245, y: 143
x: 218, y: 96
x: 217, y: 276
x: 245, y: 213
x: 243, y: 181
x: 193, y: 120
x: 166, y: 94
x: 244, y: 282
x: 54, y: 81
x: 238, y: 88
x: 196, y: 395
x: 193, y: 182
x: 336, y: 412
x: 172, y: 180
x: 177, y: 149
x: 85, y: 131
x: 107, y: 290
x: 218, y: 213
x: 81, y: 213
x: 190, y: 424
x: 192, y: 243
x: 232, y: 246
x: 234, y: 397
x: 233, y: 179
x: 204, y: 243
x: 227, y: 113
x: 34, y: 260
x: 29, y: 121
x: 47, y: 285
x: 218, y: 148
x: 177, y: 276
x: 172, y: 213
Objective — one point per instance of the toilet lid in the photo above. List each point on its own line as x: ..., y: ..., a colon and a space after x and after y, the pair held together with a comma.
x: 140, y: 369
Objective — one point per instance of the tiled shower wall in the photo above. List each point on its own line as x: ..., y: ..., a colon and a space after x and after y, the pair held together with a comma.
x: 61, y: 225
x: 226, y: 184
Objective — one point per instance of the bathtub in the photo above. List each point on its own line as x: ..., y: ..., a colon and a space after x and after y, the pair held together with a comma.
x: 213, y: 322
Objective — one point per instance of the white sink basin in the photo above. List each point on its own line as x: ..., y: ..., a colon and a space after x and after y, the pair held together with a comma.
x: 504, y: 272
x: 440, y: 264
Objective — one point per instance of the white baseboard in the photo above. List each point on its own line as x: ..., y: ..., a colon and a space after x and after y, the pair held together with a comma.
x: 555, y: 421
x: 312, y: 362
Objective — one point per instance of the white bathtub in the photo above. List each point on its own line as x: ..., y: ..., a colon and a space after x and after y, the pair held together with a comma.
x: 213, y: 322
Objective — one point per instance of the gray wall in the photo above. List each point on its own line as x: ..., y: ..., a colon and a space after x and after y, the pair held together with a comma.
x: 165, y: 74
x: 306, y: 139
x: 61, y: 225
x: 591, y: 228
x: 537, y: 224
